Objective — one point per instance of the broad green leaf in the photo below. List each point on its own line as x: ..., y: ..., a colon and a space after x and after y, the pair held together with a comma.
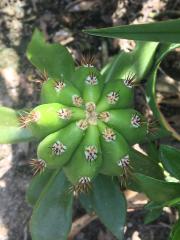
x: 52, y: 215
x: 151, y: 90
x: 138, y: 62
x: 109, y: 204
x: 163, y: 50
x: 152, y: 205
x: 157, y: 190
x: 86, y: 202
x: 153, y: 211
x: 175, y: 234
x: 145, y: 165
x: 173, y: 203
x: 151, y: 99
x: 164, y: 31
x: 53, y: 59
x: 152, y: 215
x: 152, y: 151
x: 10, y: 130
x: 141, y: 163
x: 170, y: 158
x: 37, y: 185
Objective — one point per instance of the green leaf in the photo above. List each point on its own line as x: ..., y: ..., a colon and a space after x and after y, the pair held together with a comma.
x: 145, y: 165
x: 152, y: 206
x: 141, y: 163
x: 170, y: 158
x: 10, y: 129
x: 53, y: 59
x: 109, y: 204
x: 152, y: 215
x: 137, y: 62
x: 175, y: 231
x: 157, y: 190
x: 164, y: 31
x: 173, y: 203
x: 37, y: 185
x: 152, y: 151
x: 153, y: 210
x: 86, y: 202
x: 52, y: 215
x: 163, y: 50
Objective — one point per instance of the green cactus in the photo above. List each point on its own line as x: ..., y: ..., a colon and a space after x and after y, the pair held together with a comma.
x: 86, y: 126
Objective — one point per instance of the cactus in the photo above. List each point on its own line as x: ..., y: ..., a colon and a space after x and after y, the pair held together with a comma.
x: 86, y: 126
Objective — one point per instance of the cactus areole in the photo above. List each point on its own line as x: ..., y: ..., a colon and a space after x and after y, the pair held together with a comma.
x: 86, y: 126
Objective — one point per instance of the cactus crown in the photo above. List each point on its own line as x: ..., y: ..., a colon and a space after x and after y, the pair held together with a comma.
x: 86, y: 126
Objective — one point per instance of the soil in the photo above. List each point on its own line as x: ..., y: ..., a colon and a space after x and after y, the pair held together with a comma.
x: 62, y: 21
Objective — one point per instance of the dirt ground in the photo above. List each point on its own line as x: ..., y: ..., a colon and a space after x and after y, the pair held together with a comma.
x: 62, y: 21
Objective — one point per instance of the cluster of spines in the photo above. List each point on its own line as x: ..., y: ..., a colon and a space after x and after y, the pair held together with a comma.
x: 130, y: 80
x: 77, y: 100
x: 124, y: 163
x: 38, y: 166
x: 91, y: 79
x: 112, y: 97
x: 82, y: 124
x: 58, y: 148
x: 59, y: 85
x: 91, y: 153
x: 83, y: 186
x: 109, y: 135
x: 136, y: 120
x: 43, y: 77
x: 87, y: 61
x: 26, y: 118
x: 65, y: 113
x: 104, y: 116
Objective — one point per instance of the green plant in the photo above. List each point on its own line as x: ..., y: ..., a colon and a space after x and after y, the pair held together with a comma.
x: 86, y: 125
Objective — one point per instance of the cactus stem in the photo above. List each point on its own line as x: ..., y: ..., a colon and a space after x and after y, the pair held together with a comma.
x: 91, y: 153
x: 58, y: 148
x: 104, y: 116
x: 65, y: 113
x: 77, y: 100
x: 59, y: 85
x: 112, y: 97
x: 38, y: 166
x: 109, y: 135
